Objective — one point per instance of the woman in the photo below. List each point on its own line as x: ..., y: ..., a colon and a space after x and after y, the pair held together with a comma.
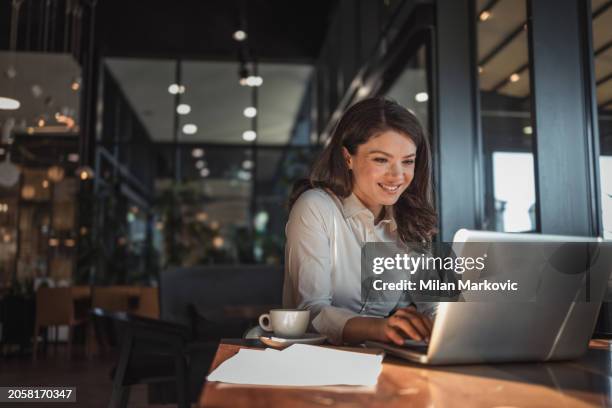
x: 372, y: 183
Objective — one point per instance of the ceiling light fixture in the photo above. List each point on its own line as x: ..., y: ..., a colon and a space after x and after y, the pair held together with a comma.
x: 173, y: 89
x: 65, y: 119
x: 485, y: 15
x: 421, y: 97
x: 204, y: 172
x: 76, y: 84
x: 217, y: 242
x: 250, y: 112
x: 9, y: 173
x: 249, y: 136
x: 9, y: 103
x: 363, y: 91
x: 197, y: 152
x: 55, y: 174
x: 240, y: 35
x: 176, y: 89
x: 183, y: 109
x: 514, y: 77
x: 28, y: 192
x: 200, y: 164
x: 247, y: 164
x: 36, y: 90
x: 190, y: 129
x: 85, y: 172
x: 254, y: 80
x: 6, y: 102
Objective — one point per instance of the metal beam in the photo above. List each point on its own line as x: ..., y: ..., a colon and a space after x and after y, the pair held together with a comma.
x: 455, y: 126
x: 489, y: 6
x: 602, y: 9
x: 505, y: 42
x: 603, y: 48
x: 604, y: 79
x: 560, y: 80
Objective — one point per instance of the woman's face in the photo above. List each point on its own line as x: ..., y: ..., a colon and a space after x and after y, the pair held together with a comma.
x: 382, y: 168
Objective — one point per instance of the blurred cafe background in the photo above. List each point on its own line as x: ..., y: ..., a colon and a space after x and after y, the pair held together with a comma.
x: 147, y: 151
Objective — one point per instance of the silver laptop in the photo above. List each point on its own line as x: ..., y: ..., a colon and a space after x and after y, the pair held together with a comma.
x: 473, y: 331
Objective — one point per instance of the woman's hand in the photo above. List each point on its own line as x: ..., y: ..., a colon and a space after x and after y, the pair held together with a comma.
x: 405, y: 323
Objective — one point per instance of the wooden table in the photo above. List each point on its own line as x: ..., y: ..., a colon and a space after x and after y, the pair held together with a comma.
x: 585, y: 382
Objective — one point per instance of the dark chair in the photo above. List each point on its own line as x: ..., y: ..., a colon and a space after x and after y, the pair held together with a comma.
x: 153, y: 351
x: 58, y: 307
x: 204, y: 329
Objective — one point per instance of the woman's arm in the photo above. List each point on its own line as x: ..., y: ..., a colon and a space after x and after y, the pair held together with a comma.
x: 308, y: 264
x: 404, y: 323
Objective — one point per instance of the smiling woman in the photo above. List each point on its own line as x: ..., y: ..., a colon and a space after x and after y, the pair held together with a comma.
x: 372, y: 183
x: 382, y: 168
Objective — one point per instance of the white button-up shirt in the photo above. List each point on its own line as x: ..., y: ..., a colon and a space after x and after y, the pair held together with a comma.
x: 325, y: 235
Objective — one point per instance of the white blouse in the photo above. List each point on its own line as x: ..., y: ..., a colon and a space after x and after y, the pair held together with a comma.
x: 325, y: 235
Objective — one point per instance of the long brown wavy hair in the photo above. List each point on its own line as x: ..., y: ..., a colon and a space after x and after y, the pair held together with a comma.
x: 414, y: 211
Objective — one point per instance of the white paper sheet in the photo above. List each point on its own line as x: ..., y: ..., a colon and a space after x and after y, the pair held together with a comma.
x: 299, y: 365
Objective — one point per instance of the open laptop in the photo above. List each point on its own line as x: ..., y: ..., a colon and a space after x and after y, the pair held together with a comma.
x: 557, y: 328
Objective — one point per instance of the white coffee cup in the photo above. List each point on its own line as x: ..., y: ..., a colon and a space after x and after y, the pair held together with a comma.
x: 285, y: 322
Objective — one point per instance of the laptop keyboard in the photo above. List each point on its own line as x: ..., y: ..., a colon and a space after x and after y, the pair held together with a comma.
x: 416, y: 345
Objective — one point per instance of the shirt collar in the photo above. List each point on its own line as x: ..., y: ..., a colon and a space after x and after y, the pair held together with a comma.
x: 351, y: 206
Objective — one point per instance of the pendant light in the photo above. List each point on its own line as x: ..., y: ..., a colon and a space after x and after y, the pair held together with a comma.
x: 8, y: 100
x: 9, y: 173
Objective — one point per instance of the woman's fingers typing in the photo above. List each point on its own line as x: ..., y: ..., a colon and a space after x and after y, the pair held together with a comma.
x: 408, y: 323
x: 394, y: 335
x: 405, y: 327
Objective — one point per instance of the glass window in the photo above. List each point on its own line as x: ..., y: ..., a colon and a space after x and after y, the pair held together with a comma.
x: 602, y: 47
x: 411, y: 90
x: 516, y: 201
x: 215, y: 197
x: 507, y: 134
x: 39, y: 153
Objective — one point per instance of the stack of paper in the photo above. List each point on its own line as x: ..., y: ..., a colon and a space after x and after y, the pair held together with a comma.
x: 299, y: 365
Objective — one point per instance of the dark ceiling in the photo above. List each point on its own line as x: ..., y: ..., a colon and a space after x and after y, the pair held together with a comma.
x: 278, y: 30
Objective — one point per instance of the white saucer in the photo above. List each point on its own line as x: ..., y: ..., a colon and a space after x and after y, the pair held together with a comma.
x: 280, y: 342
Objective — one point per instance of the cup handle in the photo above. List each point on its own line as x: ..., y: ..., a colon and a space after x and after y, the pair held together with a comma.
x: 265, y: 322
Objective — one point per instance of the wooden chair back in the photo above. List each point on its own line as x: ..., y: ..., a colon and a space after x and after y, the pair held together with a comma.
x: 114, y: 298
x: 149, y: 303
x: 54, y: 306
